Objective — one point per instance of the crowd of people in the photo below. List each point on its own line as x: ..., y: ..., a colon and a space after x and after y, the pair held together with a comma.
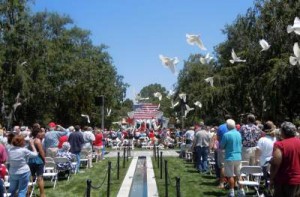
x: 275, y: 149
x: 23, y: 150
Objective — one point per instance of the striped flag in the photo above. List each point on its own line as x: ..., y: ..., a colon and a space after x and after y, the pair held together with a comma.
x: 145, y: 111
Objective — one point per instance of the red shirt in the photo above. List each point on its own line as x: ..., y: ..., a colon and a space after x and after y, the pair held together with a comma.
x: 61, y: 140
x: 289, y: 170
x: 151, y: 135
x: 98, y: 139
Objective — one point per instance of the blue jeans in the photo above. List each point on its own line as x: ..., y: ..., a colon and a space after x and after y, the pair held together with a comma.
x: 201, y: 155
x: 78, y: 161
x: 19, y: 182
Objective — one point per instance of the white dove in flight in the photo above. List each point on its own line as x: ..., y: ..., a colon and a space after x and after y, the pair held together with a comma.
x: 206, y: 59
x: 182, y: 96
x: 108, y: 111
x: 198, y: 104
x: 235, y: 58
x: 188, y: 109
x: 295, y: 28
x: 170, y: 94
x: 195, y: 40
x: 295, y: 59
x: 210, y: 80
x: 264, y: 44
x: 87, y: 117
x: 169, y: 62
x: 158, y: 95
x: 173, y: 105
x: 23, y: 63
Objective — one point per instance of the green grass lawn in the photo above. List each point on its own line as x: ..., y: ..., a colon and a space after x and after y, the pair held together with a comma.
x: 77, y: 184
x: 191, y: 182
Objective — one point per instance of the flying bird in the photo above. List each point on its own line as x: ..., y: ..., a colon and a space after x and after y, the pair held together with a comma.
x: 210, y: 80
x: 173, y: 105
x: 264, y: 44
x: 23, y: 63
x: 169, y: 62
x: 235, y: 58
x: 158, y: 95
x: 195, y: 40
x: 188, y: 109
x: 198, y: 104
x: 206, y: 59
x: 295, y: 59
x: 108, y: 111
x: 87, y: 117
x: 295, y: 28
x: 182, y: 96
x: 170, y: 94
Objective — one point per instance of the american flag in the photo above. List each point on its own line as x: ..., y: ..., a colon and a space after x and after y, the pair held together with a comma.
x: 145, y: 111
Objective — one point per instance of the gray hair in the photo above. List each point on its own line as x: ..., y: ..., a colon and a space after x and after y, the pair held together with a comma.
x: 288, y: 129
x: 230, y: 124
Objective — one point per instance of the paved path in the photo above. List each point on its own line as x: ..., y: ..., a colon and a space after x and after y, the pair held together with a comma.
x: 134, y: 153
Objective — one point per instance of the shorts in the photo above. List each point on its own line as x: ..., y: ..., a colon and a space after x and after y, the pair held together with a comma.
x: 36, y: 169
x: 220, y: 158
x: 232, y: 168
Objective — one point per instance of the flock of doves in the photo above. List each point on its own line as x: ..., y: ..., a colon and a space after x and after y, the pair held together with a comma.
x: 195, y: 40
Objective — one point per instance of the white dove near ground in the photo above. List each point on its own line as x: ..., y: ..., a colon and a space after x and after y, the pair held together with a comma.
x: 158, y: 95
x: 206, y: 59
x: 173, y: 105
x: 87, y: 117
x: 182, y: 96
x: 235, y: 58
x: 295, y: 28
x: 188, y: 109
x: 195, y: 40
x: 108, y: 111
x: 295, y: 59
x: 264, y: 44
x: 169, y: 62
x: 198, y: 104
x: 210, y: 80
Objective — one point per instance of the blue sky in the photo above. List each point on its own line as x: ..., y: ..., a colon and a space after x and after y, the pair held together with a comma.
x: 137, y: 31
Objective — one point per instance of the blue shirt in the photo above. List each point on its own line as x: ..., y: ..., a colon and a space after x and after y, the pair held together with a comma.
x: 232, y: 143
x: 221, y: 130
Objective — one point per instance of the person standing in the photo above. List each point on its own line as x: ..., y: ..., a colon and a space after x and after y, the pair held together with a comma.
x: 250, y: 135
x: 19, y: 170
x: 3, y: 158
x: 76, y: 141
x: 222, y: 129
x: 97, y: 144
x: 201, y: 144
x: 52, y: 138
x: 285, y: 163
x: 37, y: 164
x: 232, y: 143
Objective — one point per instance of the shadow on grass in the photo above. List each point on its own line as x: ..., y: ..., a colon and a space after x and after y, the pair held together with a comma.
x: 214, y: 193
x: 208, y: 177
x: 192, y: 171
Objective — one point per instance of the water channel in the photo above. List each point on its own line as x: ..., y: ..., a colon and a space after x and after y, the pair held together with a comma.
x: 139, y: 182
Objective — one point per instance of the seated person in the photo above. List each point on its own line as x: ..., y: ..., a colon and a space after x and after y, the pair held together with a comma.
x: 65, y: 152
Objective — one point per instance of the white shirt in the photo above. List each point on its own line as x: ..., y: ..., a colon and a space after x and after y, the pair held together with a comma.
x: 265, y: 145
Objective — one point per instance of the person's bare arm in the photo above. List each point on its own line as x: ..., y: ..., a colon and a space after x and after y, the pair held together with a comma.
x: 275, y: 164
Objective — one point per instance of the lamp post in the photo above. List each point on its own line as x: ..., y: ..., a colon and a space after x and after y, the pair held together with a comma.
x: 102, y: 112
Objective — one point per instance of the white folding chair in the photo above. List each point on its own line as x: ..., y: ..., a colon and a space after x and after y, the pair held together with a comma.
x: 63, y: 165
x: 252, y: 176
x: 50, y: 172
x: 84, y: 157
